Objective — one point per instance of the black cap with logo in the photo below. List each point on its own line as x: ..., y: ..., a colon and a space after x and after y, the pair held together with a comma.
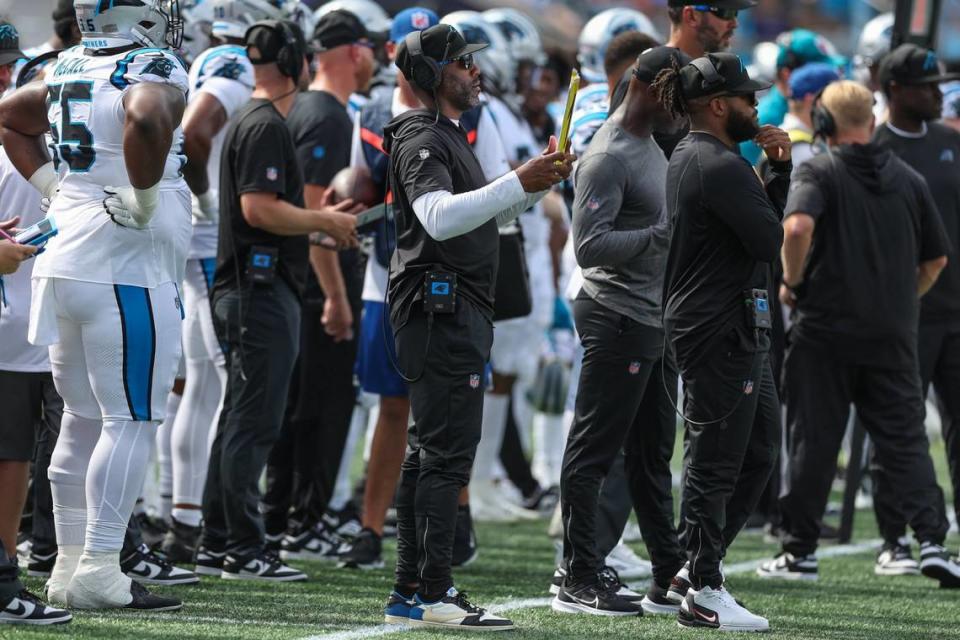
x: 337, y: 28
x: 718, y: 73
x: 911, y: 64
x: 441, y: 42
x: 652, y: 61
x: 9, y: 44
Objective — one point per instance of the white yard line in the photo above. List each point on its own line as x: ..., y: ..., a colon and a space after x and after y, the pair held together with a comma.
x: 532, y: 603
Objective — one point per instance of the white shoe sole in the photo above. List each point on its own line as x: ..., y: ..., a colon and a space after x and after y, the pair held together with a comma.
x: 571, y: 607
x: 940, y: 570
x: 37, y: 623
x: 793, y: 576
x: 651, y: 607
x: 38, y: 574
x: 255, y: 578
x: 396, y: 620
x: 728, y: 628
x: 423, y: 624
x: 191, y: 579
x: 896, y: 571
x: 308, y: 555
x: 369, y: 566
x: 202, y: 570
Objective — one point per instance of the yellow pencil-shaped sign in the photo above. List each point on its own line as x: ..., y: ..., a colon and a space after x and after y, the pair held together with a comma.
x: 568, y: 113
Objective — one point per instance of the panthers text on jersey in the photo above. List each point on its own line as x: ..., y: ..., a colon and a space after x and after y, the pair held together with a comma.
x: 86, y: 114
x: 225, y: 73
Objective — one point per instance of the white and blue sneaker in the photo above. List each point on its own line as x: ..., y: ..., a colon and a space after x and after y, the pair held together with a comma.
x: 454, y: 611
x: 398, y: 608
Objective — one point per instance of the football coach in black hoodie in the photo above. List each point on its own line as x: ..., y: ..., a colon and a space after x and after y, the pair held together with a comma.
x: 863, y: 242
x: 442, y: 277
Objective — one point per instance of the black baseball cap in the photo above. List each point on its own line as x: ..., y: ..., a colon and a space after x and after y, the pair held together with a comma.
x: 652, y: 61
x: 337, y: 28
x: 9, y: 44
x: 912, y: 64
x: 441, y: 42
x: 269, y: 40
x: 719, y: 4
x: 718, y: 73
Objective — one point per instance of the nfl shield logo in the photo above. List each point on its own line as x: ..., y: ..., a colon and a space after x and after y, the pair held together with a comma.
x: 272, y: 174
x: 634, y: 368
x: 474, y: 380
x: 424, y: 154
x: 748, y: 387
x: 593, y: 204
x: 419, y: 20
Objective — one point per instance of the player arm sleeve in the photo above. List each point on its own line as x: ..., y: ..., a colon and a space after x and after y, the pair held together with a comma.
x: 445, y: 215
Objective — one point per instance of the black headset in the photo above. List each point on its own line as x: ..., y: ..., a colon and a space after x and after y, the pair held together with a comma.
x: 425, y: 71
x: 290, y: 56
x: 824, y: 125
x: 708, y: 70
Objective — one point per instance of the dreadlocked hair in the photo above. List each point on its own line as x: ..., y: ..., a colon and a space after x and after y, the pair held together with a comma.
x: 668, y: 88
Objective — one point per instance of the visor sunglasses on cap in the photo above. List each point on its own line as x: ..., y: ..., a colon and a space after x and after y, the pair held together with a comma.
x: 723, y: 14
x: 465, y: 61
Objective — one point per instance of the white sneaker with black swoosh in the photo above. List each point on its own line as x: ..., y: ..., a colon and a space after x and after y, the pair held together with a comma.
x: 936, y: 563
x: 146, y: 567
x: 263, y: 566
x: 26, y: 608
x: 716, y: 609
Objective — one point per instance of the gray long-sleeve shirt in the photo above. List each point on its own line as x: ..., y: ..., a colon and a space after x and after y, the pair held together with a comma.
x: 621, y: 230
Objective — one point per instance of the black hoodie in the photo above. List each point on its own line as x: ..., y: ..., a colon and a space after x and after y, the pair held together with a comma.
x: 875, y: 223
x: 429, y: 155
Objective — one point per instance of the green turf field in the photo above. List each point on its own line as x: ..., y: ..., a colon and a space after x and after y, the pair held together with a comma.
x: 513, y: 570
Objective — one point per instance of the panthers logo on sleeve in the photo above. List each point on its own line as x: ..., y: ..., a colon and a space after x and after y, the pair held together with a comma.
x: 159, y: 66
x: 232, y: 70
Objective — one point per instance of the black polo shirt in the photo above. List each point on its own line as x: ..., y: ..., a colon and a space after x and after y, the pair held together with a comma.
x: 258, y: 157
x: 875, y: 221
x: 428, y: 157
x: 936, y: 156
x: 726, y: 234
x: 322, y: 134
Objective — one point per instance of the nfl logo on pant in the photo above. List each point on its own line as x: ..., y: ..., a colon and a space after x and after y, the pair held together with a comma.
x: 474, y: 380
x: 634, y: 368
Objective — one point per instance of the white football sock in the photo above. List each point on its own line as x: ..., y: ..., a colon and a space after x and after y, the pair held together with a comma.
x: 117, y: 469
x: 190, y: 517
x: 494, y: 423
x: 343, y: 489
x: 164, y: 457
x: 191, y: 434
x: 548, y: 445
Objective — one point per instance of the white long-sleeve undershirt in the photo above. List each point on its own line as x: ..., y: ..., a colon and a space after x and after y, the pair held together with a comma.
x: 445, y: 215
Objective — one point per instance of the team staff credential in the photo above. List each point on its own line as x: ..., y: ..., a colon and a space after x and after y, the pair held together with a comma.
x: 442, y: 278
x: 716, y: 316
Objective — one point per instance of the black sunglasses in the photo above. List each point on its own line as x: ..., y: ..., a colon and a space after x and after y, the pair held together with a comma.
x: 465, y: 61
x: 723, y: 14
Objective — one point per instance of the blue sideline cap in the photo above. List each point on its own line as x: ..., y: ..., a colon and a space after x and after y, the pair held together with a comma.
x: 811, y: 79
x: 410, y: 20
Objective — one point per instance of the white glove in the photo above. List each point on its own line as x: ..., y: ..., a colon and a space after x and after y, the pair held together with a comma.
x: 206, y: 208
x: 131, y: 207
x: 45, y: 203
x: 45, y: 180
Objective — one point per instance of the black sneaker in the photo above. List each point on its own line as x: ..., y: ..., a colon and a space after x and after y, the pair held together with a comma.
x: 679, y: 585
x: 26, y: 608
x: 465, y: 548
x: 208, y: 562
x: 143, y: 600
x: 595, y: 599
x: 611, y: 580
x: 180, y: 542
x: 344, y: 523
x: 543, y: 500
x: 273, y: 543
x: 40, y: 565
x: 787, y: 566
x: 147, y: 567
x: 896, y: 560
x: 316, y: 543
x: 363, y: 552
x: 657, y: 603
x: 936, y: 563
x: 263, y: 566
x: 152, y: 530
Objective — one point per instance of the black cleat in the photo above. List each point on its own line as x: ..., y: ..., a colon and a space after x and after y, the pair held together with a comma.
x: 143, y: 600
x: 40, y: 565
x: 364, y: 552
x: 180, y: 542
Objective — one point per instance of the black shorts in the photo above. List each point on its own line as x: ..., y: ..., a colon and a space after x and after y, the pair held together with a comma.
x: 30, y: 404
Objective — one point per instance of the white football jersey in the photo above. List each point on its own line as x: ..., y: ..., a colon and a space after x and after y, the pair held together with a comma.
x: 590, y: 110
x: 225, y: 73
x: 86, y: 115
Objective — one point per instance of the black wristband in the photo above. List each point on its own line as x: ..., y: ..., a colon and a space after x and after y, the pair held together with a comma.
x: 781, y: 166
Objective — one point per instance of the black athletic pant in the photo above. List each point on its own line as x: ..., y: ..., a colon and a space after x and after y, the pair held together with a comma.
x: 10, y: 584
x: 731, y: 458
x: 303, y: 465
x: 622, y: 403
x: 513, y: 458
x: 819, y: 390
x: 940, y: 365
x: 262, y: 348
x: 448, y: 359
